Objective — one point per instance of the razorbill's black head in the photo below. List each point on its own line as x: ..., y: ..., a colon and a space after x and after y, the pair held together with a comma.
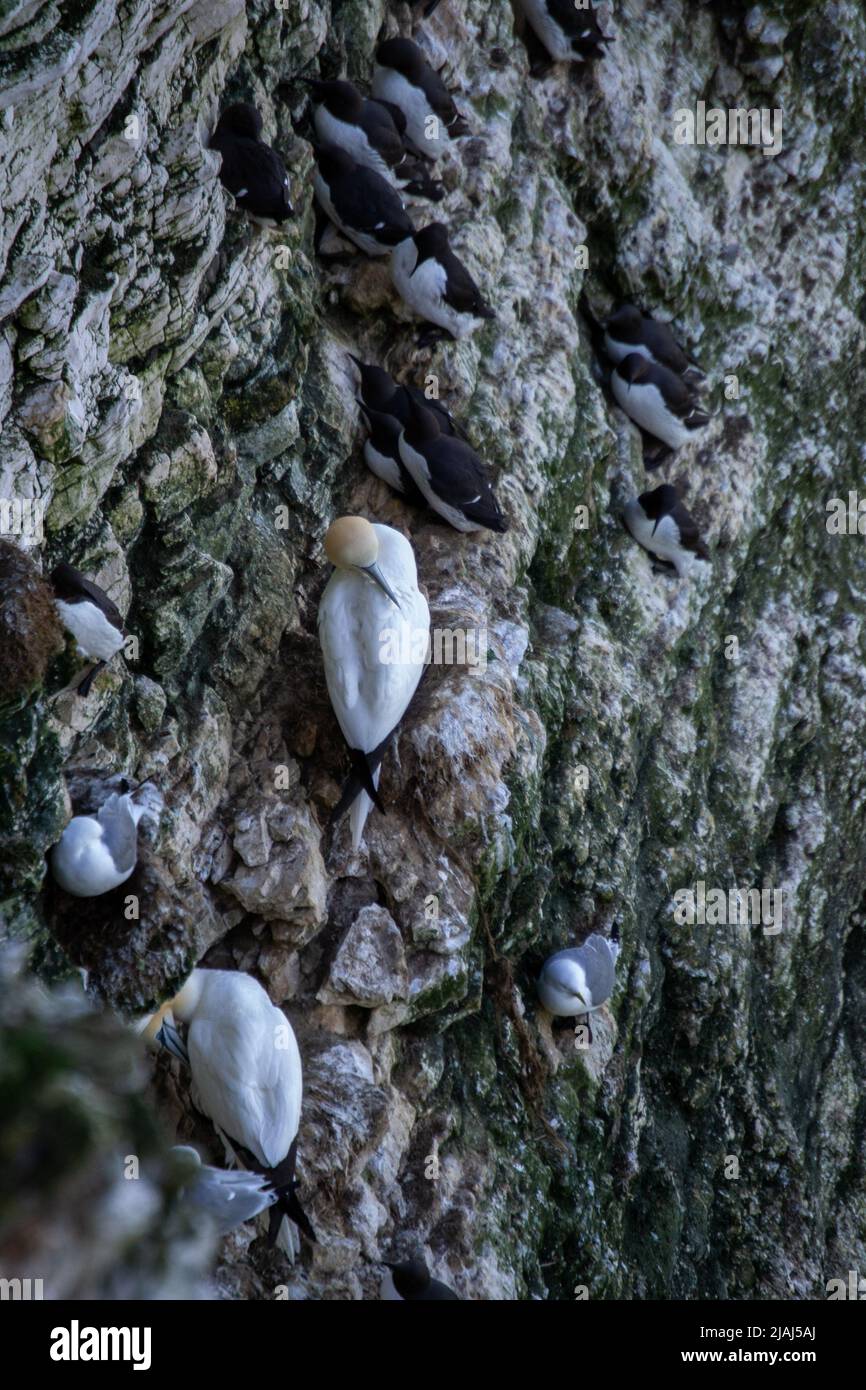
x: 657, y: 399
x: 251, y: 171
x: 379, y: 391
x: 449, y: 473
x: 437, y: 285
x: 88, y: 613
x: 403, y: 76
x: 661, y: 524
x: 371, y: 132
x: 361, y: 203
x: 629, y: 330
x: 569, y: 34
x: 364, y: 129
x: 411, y: 1282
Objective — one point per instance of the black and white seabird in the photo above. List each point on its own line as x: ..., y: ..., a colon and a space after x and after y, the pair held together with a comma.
x: 662, y: 525
x: 251, y: 171
x: 97, y: 853
x: 403, y: 76
x: 657, y: 399
x: 575, y: 982
x: 382, y: 455
x: 88, y: 613
x: 409, y: 1281
x: 629, y: 330
x: 362, y: 204
x: 569, y: 34
x: 437, y: 285
x: 380, y: 392
x: 372, y: 133
x: 449, y: 473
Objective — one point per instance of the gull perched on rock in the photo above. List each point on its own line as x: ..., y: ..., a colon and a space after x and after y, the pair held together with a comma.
x: 575, y: 982
x: 97, y: 853
x: 228, y: 1196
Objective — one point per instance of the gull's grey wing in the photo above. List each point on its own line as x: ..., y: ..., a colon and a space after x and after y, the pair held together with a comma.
x: 119, y: 830
x: 229, y: 1198
x: 598, y: 962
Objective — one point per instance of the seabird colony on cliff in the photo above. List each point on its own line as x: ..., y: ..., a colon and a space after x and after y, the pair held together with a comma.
x: 371, y: 151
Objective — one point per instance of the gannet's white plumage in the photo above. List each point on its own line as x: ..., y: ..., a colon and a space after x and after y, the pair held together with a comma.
x: 227, y: 1196
x: 360, y: 623
x: 97, y: 853
x: 246, y: 1068
x: 579, y: 980
x: 248, y: 1085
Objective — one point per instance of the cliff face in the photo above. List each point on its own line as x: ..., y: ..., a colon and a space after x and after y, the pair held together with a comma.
x: 174, y: 386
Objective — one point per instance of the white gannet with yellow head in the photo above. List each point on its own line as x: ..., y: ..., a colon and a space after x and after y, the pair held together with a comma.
x: 247, y: 1079
x: 374, y: 629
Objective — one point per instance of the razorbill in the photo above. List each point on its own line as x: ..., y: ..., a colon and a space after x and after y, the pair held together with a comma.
x: 380, y: 392
x: 362, y: 204
x: 657, y: 399
x: 88, y: 613
x: 409, y: 1281
x: 382, y: 455
x: 369, y: 693
x: 661, y: 524
x: 629, y: 330
x: 569, y: 34
x: 251, y: 171
x: 403, y: 76
x: 437, y: 285
x: 575, y: 982
x: 97, y: 853
x: 370, y: 132
x: 449, y: 473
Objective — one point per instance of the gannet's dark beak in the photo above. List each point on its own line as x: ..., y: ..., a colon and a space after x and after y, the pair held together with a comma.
x: 376, y: 574
x: 172, y: 1042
